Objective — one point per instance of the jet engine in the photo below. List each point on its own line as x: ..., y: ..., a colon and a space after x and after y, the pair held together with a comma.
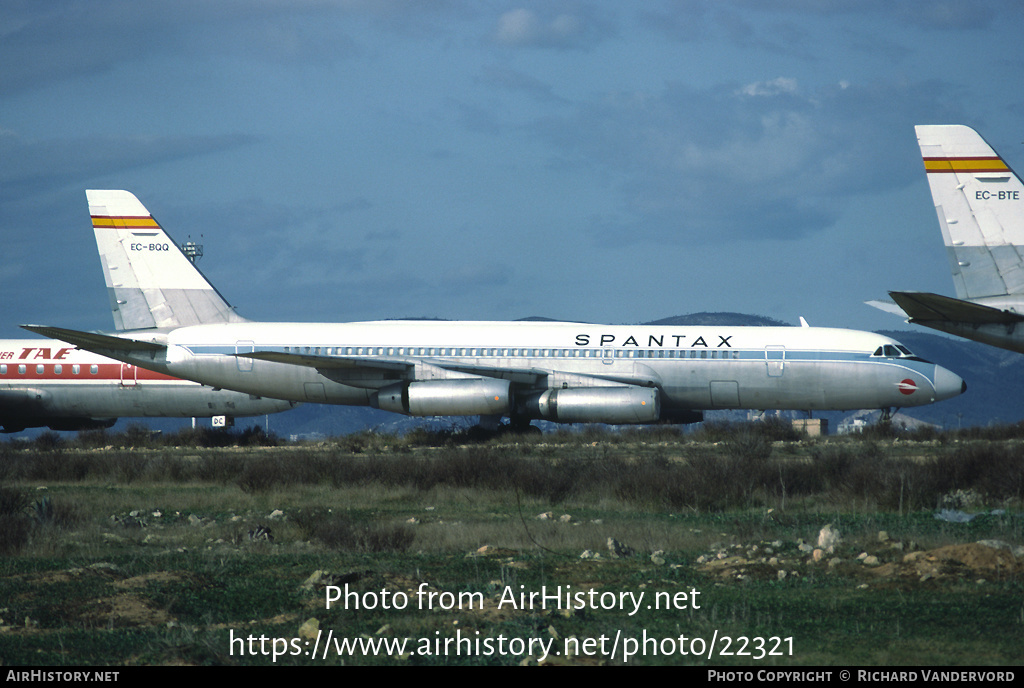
x: 68, y: 423
x: 614, y: 405
x: 462, y: 397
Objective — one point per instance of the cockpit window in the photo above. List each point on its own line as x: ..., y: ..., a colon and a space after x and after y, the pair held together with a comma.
x: 890, y: 351
x: 896, y: 351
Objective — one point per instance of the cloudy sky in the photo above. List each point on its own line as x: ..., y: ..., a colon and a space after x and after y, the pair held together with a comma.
x: 473, y: 159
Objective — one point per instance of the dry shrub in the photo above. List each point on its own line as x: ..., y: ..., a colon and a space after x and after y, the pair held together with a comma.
x: 15, y: 524
x: 340, y: 533
x: 265, y: 473
x: 15, y: 530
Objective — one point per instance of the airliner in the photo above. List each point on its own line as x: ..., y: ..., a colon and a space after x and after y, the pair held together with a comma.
x: 980, y: 205
x: 53, y: 384
x: 176, y: 323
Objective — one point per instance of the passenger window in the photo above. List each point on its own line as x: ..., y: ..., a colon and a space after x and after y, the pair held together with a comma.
x: 75, y: 369
x: 40, y: 369
x: 57, y: 369
x: 94, y: 369
x: 21, y: 370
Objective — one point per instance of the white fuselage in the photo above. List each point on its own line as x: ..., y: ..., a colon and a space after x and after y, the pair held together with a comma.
x: 692, y: 367
x: 175, y: 322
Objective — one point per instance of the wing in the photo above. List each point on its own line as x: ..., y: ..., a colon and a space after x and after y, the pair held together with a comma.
x: 924, y: 306
x: 355, y: 370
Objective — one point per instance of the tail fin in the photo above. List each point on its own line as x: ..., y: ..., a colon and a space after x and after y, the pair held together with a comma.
x: 150, y: 282
x: 980, y: 204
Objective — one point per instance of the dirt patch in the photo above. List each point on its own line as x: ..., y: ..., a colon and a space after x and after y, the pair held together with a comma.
x: 127, y: 610
x: 136, y: 582
x: 101, y: 570
x: 974, y: 561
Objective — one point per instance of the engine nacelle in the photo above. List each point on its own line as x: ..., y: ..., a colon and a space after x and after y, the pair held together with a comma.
x: 68, y: 423
x: 614, y: 405
x: 469, y: 397
x: 71, y: 424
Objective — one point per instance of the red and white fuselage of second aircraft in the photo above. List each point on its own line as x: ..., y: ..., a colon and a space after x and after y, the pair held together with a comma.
x: 54, y: 384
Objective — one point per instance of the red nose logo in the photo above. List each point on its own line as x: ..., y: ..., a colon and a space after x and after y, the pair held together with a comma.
x: 907, y: 386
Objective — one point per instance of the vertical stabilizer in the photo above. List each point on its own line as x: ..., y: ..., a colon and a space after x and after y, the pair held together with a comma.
x: 150, y: 282
x: 980, y: 204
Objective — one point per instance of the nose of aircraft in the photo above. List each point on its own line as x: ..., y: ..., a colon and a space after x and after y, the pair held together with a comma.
x: 948, y: 384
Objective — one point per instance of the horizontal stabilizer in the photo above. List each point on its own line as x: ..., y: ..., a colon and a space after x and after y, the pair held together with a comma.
x: 93, y: 341
x: 924, y: 306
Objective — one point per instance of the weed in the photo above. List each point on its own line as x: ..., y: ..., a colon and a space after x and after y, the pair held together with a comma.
x: 15, y: 524
x: 339, y: 532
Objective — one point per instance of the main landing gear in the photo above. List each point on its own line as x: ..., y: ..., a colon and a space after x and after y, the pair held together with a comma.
x: 520, y: 425
x: 517, y: 425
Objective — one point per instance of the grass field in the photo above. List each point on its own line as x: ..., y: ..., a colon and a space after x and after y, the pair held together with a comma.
x: 652, y: 548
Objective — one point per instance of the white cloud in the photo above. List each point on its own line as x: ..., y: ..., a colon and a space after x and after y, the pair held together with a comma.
x: 705, y: 164
x: 517, y: 27
x: 780, y: 85
x: 525, y: 28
